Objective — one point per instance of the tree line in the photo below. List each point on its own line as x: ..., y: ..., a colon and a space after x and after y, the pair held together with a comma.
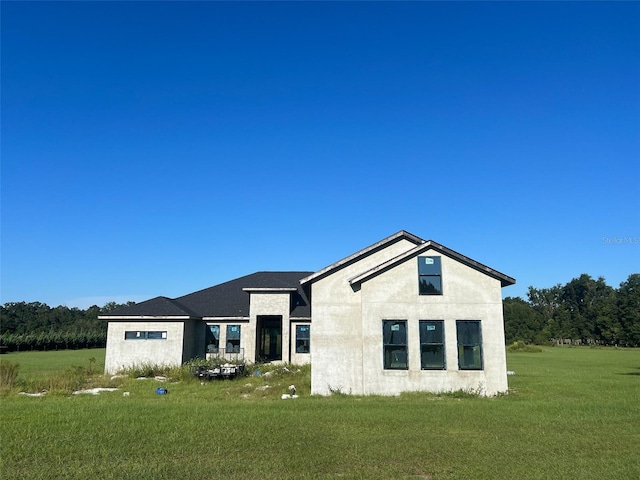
x: 583, y: 311
x: 37, y: 326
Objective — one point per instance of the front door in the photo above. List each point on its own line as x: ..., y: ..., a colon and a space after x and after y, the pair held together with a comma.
x: 269, y: 338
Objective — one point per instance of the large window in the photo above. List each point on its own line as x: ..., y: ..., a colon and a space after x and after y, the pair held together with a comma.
x: 394, y: 339
x: 233, y: 338
x: 213, y: 338
x: 469, y: 344
x: 144, y: 335
x: 302, y: 338
x: 432, y: 345
x: 429, y: 276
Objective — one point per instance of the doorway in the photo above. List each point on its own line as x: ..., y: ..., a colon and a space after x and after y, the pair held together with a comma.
x: 269, y: 338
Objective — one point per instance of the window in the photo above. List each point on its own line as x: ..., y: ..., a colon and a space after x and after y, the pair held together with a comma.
x: 430, y: 276
x: 233, y: 338
x: 302, y: 338
x: 394, y: 340
x: 432, y: 344
x: 142, y: 335
x: 469, y: 344
x: 213, y: 338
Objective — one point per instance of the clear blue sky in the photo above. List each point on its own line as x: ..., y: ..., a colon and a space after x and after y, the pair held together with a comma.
x: 158, y: 148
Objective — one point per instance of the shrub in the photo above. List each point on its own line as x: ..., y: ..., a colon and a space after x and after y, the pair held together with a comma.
x: 149, y: 370
x: 523, y: 347
x: 8, y: 373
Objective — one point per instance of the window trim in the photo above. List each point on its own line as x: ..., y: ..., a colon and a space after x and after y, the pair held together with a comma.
x: 145, y: 335
x: 462, y: 345
x: 395, y: 346
x: 235, y: 348
x: 441, y: 344
x: 211, y: 337
x: 300, y: 340
x: 425, y: 276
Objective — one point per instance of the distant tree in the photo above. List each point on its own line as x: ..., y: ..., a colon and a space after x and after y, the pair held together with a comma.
x: 590, y: 304
x: 628, y: 309
x: 522, y: 322
x: 547, y: 303
x: 36, y: 326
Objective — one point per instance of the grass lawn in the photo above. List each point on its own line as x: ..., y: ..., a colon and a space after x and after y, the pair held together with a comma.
x: 38, y: 365
x: 571, y: 413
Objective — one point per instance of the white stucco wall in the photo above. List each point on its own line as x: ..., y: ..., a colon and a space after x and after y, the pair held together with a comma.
x: 336, y: 333
x: 121, y: 353
x: 347, y: 330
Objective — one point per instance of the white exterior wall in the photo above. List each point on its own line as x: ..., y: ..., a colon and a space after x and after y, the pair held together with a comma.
x: 348, y: 337
x: 467, y: 295
x: 123, y: 353
x: 336, y: 333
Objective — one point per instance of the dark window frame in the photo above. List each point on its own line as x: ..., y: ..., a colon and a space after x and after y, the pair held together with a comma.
x: 470, y: 351
x: 213, y: 342
x: 428, y: 274
x: 303, y: 339
x: 395, y: 347
x: 145, y: 335
x: 428, y: 344
x: 234, y: 342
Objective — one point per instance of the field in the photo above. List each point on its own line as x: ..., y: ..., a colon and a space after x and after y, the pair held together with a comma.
x: 571, y: 413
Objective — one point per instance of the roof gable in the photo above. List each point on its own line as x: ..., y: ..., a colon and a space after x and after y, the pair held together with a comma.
x: 505, y: 280
x: 376, y: 247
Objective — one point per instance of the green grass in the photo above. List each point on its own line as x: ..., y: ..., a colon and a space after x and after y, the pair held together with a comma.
x: 57, y: 371
x: 38, y: 365
x: 572, y: 413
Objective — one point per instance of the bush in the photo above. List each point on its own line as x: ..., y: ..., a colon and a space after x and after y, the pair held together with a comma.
x: 149, y: 370
x: 8, y: 373
x: 523, y: 347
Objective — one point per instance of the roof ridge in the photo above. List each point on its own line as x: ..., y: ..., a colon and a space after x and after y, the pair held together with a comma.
x: 401, y: 234
x: 505, y: 280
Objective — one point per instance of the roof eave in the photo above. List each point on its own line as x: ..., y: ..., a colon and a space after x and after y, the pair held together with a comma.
x: 365, y: 251
x: 505, y: 280
x: 147, y: 317
x: 270, y: 289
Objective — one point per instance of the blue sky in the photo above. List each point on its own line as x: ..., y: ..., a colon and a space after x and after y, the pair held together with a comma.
x: 157, y: 148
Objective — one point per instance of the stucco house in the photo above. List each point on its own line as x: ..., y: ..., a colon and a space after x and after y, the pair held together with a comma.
x: 403, y: 314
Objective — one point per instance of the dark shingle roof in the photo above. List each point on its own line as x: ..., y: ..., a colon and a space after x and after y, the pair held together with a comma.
x: 224, y: 300
x: 159, y: 306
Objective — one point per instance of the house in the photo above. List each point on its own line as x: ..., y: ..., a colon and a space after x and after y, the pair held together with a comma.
x: 404, y: 314
x: 264, y: 316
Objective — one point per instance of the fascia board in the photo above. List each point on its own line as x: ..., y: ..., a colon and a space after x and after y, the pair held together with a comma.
x: 226, y: 319
x: 505, y: 280
x: 114, y: 318
x: 361, y: 253
x: 270, y: 289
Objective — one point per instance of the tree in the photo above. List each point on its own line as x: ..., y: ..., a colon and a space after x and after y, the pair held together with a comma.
x: 522, y: 322
x: 546, y: 301
x: 628, y: 309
